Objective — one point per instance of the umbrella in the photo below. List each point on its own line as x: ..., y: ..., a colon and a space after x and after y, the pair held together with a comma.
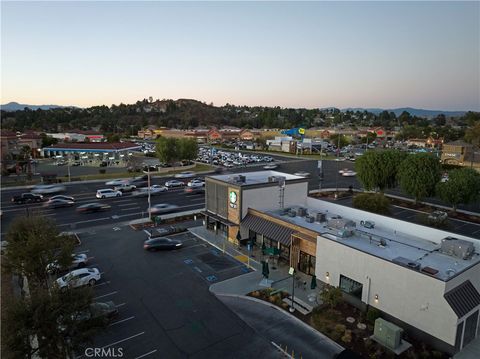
x: 313, y: 284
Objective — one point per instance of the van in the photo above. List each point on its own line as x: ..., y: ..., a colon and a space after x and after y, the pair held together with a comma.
x: 105, y: 193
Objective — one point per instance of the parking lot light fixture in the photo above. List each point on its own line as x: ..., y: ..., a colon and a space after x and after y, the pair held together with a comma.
x: 149, y: 201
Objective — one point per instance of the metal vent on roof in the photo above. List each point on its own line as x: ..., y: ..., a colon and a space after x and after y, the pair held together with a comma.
x: 458, y: 248
x: 405, y: 262
x: 309, y: 219
x: 321, y: 217
x: 302, y: 212
x: 292, y: 213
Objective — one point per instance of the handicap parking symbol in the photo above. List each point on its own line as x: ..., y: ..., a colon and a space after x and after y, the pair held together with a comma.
x: 211, y: 278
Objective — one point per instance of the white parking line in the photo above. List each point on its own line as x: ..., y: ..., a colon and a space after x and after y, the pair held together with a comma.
x: 127, y: 204
x: 123, y: 340
x: 90, y: 220
x: 129, y: 209
x: 103, y: 283
x: 144, y: 355
x: 120, y: 305
x: 105, y: 295
x: 121, y: 321
x: 86, y: 251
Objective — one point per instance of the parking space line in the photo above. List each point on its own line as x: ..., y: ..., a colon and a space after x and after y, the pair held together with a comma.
x: 85, y: 251
x: 123, y: 340
x: 144, y: 355
x: 129, y: 209
x: 105, y: 295
x: 103, y: 283
x: 121, y: 321
x: 90, y: 220
x: 120, y: 305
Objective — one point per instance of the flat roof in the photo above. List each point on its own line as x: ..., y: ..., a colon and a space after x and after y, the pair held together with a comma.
x: 397, y: 247
x: 258, y: 177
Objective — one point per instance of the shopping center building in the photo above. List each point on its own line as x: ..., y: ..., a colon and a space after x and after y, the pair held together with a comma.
x: 425, y: 280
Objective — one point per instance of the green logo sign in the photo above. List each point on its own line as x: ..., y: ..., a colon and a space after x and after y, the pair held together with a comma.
x: 233, y: 197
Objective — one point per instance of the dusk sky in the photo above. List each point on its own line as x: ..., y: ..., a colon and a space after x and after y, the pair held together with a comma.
x: 288, y: 54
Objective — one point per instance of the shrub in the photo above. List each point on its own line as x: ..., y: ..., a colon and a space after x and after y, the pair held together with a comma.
x: 102, y: 171
x: 340, y: 328
x: 255, y: 294
x: 372, y: 202
x: 372, y: 315
x: 331, y: 296
x: 347, y: 337
x: 335, y: 335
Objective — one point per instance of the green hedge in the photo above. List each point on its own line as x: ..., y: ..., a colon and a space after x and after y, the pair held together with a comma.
x: 372, y: 202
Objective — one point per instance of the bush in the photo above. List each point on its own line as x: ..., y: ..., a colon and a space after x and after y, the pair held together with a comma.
x: 102, y: 171
x: 372, y: 202
x: 372, y: 315
x: 347, y: 337
x: 340, y: 328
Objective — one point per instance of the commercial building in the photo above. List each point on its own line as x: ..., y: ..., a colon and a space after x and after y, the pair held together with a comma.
x: 460, y: 153
x: 78, y: 136
x: 425, y: 280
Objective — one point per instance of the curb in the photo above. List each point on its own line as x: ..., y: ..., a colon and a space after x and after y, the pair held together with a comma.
x: 305, y: 325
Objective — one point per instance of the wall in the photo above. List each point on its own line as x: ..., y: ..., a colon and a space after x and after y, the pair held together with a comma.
x: 410, y: 296
x: 267, y: 198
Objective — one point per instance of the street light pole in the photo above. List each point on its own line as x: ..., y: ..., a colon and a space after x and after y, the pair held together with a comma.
x: 149, y: 203
x: 292, y: 307
x: 68, y: 164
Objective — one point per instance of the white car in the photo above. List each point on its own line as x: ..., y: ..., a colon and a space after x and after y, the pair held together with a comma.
x: 186, y: 174
x: 79, y: 278
x: 48, y: 189
x: 349, y: 173
x: 78, y: 261
x: 116, y: 182
x: 196, y: 183
x: 174, y: 183
x: 270, y: 167
x: 163, y: 208
x: 106, y: 193
x: 125, y: 187
x: 154, y: 190
x: 343, y: 170
x: 302, y: 174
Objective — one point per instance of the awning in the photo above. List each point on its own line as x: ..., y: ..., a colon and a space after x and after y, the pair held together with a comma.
x: 463, y: 298
x: 269, y: 229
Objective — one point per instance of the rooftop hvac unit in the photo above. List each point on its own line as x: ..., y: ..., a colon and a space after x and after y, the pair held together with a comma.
x: 321, y: 217
x: 292, y: 213
x: 345, y: 233
x: 302, y: 212
x: 407, y: 263
x: 242, y: 178
x: 387, y: 333
x: 272, y: 179
x: 458, y: 248
x: 309, y: 219
x: 284, y: 211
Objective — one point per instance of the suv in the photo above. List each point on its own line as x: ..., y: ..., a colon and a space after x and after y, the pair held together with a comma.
x: 125, y: 187
x: 27, y: 198
x: 79, y: 278
x: 104, y: 193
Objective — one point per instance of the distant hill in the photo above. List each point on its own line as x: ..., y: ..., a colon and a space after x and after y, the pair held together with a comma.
x: 15, y: 106
x: 412, y: 111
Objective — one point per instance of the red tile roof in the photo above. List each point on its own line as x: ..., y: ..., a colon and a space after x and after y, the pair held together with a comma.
x: 95, y: 145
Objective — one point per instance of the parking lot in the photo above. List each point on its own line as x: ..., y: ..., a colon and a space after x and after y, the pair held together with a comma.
x: 165, y: 307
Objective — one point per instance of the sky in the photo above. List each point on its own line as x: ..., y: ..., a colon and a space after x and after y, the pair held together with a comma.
x: 288, y: 54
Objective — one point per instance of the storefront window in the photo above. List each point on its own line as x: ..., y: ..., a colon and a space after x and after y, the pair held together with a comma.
x: 351, y: 287
x: 285, y: 252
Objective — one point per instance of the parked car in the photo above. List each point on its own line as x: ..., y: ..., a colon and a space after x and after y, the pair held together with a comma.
x: 92, y: 207
x: 27, y: 198
x: 116, y: 182
x: 302, y: 174
x: 61, y: 196
x: 125, y: 187
x: 270, y: 167
x: 186, y: 174
x: 367, y: 224
x: 163, y: 208
x: 78, y: 261
x: 349, y: 173
x: 196, y: 183
x: 98, y: 310
x: 174, y: 183
x: 438, y: 216
x: 58, y: 203
x: 79, y: 278
x: 48, y: 189
x: 162, y: 243
x: 106, y: 193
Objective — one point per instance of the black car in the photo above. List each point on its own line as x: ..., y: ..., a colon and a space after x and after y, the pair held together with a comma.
x: 27, y: 198
x: 58, y: 203
x: 165, y: 231
x: 92, y: 207
x: 161, y: 243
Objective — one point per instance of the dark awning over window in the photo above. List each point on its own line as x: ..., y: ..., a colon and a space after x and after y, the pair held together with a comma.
x: 269, y: 229
x: 463, y: 298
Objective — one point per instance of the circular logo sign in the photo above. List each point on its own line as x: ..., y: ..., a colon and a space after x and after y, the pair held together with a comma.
x: 233, y: 197
x: 301, y: 131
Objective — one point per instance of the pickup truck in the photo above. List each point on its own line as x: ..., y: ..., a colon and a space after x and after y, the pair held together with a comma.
x: 27, y: 198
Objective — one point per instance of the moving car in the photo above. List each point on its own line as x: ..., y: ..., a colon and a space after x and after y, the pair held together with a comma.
x: 343, y: 170
x: 48, y: 189
x: 196, y: 183
x: 302, y: 174
x: 61, y: 196
x: 116, y: 182
x: 106, y: 193
x: 92, y: 207
x: 78, y: 261
x: 174, y: 183
x: 125, y: 187
x: 27, y: 198
x: 270, y: 167
x: 367, y: 224
x: 194, y: 190
x: 79, y: 278
x: 161, y: 243
x: 186, y: 174
x: 58, y: 203
x: 163, y: 208
x: 165, y: 231
x: 349, y: 173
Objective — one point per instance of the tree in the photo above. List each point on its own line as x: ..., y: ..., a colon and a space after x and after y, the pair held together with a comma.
x: 33, y: 243
x: 419, y: 174
x: 372, y: 202
x: 377, y: 170
x: 166, y: 150
x: 331, y: 296
x: 187, y: 148
x: 339, y: 140
x: 462, y: 186
x: 47, y: 140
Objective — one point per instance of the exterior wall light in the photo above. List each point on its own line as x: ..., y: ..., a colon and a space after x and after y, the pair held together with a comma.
x: 376, y: 297
x: 327, y: 275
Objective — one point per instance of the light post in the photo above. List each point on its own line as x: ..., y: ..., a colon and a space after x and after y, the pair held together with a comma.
x: 292, y: 273
x: 68, y: 166
x: 149, y: 202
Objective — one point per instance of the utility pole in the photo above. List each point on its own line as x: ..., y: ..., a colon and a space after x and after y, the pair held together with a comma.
x: 68, y: 165
x: 149, y: 202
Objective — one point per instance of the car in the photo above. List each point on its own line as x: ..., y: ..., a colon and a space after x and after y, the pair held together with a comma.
x: 61, y: 196
x: 78, y: 261
x: 367, y: 224
x: 98, y: 310
x: 174, y: 183
x: 125, y: 187
x: 27, y: 198
x: 58, y: 203
x: 106, y: 193
x: 79, y: 278
x: 76, y: 163
x: 186, y: 174
x: 196, y: 183
x: 162, y: 208
x: 349, y: 173
x: 48, y: 189
x: 92, y: 207
x: 154, y: 191
x: 302, y: 174
x: 194, y: 190
x: 116, y: 182
x: 168, y: 230
x: 343, y: 170
x: 438, y: 216
x: 162, y: 243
